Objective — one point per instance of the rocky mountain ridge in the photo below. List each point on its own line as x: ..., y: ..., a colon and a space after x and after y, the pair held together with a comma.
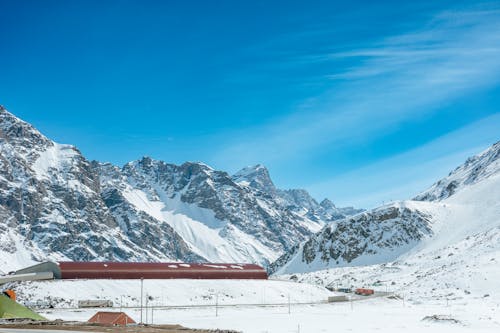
x: 55, y: 204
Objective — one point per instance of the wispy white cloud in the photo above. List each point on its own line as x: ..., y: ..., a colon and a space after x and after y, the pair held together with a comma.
x: 405, y: 175
x: 395, y: 79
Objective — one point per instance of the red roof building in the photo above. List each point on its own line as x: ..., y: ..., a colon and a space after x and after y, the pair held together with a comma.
x: 146, y: 270
x: 111, y: 318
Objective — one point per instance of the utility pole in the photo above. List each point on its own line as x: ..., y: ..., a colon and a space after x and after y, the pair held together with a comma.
x: 217, y: 304
x: 142, y: 289
x: 147, y: 299
x: 289, y: 310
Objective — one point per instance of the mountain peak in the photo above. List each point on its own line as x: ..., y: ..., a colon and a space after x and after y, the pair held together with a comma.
x: 256, y: 176
x: 327, y: 204
x: 20, y: 135
x: 252, y: 169
x: 199, y: 165
x: 473, y: 170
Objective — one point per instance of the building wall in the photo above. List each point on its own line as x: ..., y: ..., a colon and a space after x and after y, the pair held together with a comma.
x: 47, y: 266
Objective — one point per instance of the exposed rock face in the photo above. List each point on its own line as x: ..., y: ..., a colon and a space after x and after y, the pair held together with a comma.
x: 366, y: 233
x: 253, y: 220
x: 256, y: 177
x: 374, y: 236
x: 475, y: 169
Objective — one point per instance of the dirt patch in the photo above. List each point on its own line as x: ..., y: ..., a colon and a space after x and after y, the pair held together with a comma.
x: 441, y: 319
x: 86, y: 327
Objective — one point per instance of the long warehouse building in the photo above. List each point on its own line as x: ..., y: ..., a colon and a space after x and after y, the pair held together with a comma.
x: 146, y: 270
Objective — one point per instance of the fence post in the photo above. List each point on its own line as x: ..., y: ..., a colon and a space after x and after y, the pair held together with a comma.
x: 142, y: 289
x: 217, y: 304
x: 147, y: 299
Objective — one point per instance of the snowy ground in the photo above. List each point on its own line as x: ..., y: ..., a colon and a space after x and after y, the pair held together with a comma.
x: 474, y: 314
x: 177, y: 292
x: 375, y: 315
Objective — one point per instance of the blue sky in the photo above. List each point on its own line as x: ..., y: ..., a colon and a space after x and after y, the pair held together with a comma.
x: 360, y: 102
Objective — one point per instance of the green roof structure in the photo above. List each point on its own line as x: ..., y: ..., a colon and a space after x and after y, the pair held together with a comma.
x: 11, y: 309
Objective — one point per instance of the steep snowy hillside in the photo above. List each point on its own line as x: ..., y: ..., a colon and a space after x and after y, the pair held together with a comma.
x: 472, y: 171
x: 56, y: 204
x: 51, y: 207
x: 220, y: 220
x: 460, y: 262
x: 461, y: 205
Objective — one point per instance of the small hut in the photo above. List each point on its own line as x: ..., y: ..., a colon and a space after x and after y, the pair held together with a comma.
x: 111, y: 318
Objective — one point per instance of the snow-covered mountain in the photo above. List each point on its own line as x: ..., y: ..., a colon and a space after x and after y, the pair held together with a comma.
x: 52, y: 206
x: 55, y: 204
x: 219, y: 219
x: 456, y: 208
x: 459, y: 263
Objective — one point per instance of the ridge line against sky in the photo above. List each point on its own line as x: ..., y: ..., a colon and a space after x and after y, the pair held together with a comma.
x: 419, y: 168
x: 336, y: 98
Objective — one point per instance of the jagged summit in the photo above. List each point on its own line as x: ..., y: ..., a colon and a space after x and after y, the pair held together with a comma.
x: 148, y: 162
x: 327, y: 204
x: 256, y: 176
x: 16, y: 131
x: 472, y: 171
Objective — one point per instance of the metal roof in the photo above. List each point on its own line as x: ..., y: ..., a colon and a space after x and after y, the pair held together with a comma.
x: 146, y: 270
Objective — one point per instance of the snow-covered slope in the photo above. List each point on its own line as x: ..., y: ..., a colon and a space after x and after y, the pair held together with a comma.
x: 438, y: 218
x: 460, y: 262
x: 55, y: 204
x: 186, y: 198
x: 51, y: 207
x: 66, y: 293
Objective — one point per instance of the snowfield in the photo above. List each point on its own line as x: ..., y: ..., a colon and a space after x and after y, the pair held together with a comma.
x: 376, y: 315
x: 174, y: 292
x: 461, y: 260
x: 257, y: 306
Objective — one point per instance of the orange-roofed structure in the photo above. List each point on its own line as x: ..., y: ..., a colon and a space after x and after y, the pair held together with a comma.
x: 111, y: 318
